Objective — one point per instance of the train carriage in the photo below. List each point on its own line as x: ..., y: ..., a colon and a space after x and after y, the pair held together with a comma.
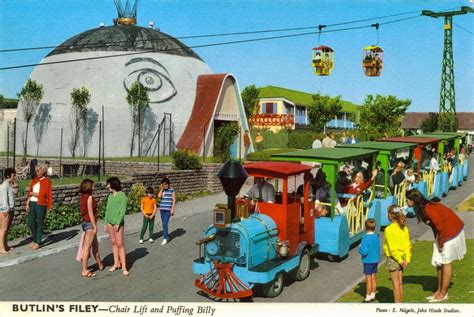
x: 388, y: 153
x: 430, y: 183
x: 452, y: 140
x: 255, y: 243
x: 335, y: 234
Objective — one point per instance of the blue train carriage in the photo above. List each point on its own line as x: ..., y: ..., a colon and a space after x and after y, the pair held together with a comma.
x: 388, y: 154
x: 255, y: 243
x: 337, y: 232
x: 456, y: 140
x: 430, y: 183
x: 445, y: 143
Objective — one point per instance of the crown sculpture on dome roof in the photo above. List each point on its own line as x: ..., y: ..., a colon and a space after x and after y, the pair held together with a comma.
x: 126, y: 15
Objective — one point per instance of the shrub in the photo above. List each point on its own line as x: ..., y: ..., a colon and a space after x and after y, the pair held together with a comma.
x: 18, y: 231
x: 181, y: 196
x: 62, y: 216
x: 202, y: 193
x: 137, y: 192
x: 300, y: 140
x: 186, y: 160
x: 224, y: 138
x: 266, y: 155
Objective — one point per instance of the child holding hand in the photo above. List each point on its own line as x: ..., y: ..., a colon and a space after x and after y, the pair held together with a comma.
x: 370, y: 251
x: 148, y: 208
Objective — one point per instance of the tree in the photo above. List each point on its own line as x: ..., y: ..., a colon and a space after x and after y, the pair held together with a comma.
x: 137, y: 98
x: 30, y: 97
x: 250, y: 99
x: 224, y: 138
x: 322, y: 110
x: 80, y: 98
x: 430, y: 124
x: 382, y: 114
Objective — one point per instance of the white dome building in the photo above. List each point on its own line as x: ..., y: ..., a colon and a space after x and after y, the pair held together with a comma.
x: 167, y: 68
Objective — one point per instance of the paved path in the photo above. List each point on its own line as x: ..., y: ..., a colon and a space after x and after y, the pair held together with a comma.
x: 163, y: 273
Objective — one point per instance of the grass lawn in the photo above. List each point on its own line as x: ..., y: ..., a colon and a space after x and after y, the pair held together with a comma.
x: 467, y: 204
x: 419, y: 279
x: 24, y: 183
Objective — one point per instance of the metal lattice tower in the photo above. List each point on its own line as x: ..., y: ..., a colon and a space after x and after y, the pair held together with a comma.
x: 447, y: 102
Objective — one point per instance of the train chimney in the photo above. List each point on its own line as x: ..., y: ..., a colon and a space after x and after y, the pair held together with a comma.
x: 232, y: 176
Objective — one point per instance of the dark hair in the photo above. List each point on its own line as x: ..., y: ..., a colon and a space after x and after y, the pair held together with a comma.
x: 397, y: 215
x: 165, y: 180
x: 419, y: 202
x: 87, y: 186
x: 370, y: 224
x: 9, y: 171
x: 354, y: 174
x: 114, y: 183
x: 149, y: 190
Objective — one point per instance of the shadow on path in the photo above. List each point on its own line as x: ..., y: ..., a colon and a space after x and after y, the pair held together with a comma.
x: 57, y: 237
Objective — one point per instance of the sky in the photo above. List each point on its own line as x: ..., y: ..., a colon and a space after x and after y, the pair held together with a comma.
x: 413, y: 48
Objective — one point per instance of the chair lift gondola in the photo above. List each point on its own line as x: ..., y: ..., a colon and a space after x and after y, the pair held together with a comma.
x: 372, y: 60
x: 323, y: 60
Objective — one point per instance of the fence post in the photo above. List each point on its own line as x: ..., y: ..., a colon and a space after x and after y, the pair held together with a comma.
x: 61, y: 155
x: 204, y: 144
x: 14, y: 142
x: 100, y: 148
x: 8, y: 144
x: 103, y: 142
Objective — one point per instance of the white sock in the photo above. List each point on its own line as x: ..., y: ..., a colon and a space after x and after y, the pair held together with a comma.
x: 372, y: 295
x: 367, y: 297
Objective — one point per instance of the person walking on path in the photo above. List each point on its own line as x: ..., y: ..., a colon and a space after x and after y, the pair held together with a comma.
x: 450, y: 243
x: 397, y: 248
x: 88, y: 210
x: 114, y: 223
x: 148, y: 208
x: 370, y: 252
x: 38, y: 202
x: 7, y: 205
x: 167, y: 202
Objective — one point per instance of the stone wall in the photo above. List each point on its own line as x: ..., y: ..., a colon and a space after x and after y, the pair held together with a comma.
x: 188, y: 182
x: 115, y: 168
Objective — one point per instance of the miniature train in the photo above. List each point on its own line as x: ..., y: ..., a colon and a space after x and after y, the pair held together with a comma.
x: 253, y: 246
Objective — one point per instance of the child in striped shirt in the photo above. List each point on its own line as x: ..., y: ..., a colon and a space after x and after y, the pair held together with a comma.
x: 167, y: 204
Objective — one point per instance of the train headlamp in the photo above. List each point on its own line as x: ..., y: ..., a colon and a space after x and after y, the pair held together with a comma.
x: 212, y: 248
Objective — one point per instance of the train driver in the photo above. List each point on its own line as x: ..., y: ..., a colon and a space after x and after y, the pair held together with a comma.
x: 262, y: 191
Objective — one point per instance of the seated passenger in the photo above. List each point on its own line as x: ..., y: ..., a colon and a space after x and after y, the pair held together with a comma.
x: 377, y: 62
x: 410, y: 177
x: 397, y: 176
x: 262, y: 191
x: 321, y: 210
x: 358, y: 183
x: 380, y: 181
x: 434, y: 164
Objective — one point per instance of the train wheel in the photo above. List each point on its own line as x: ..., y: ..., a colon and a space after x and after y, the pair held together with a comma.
x: 274, y: 288
x: 305, y: 264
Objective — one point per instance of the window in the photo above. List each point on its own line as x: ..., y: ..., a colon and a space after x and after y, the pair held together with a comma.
x: 269, y: 107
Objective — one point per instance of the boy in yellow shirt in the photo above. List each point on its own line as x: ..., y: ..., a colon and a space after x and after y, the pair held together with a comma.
x: 397, y: 248
x: 148, y: 208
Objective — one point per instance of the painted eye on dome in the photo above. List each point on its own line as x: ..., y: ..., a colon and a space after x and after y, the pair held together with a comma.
x: 153, y: 76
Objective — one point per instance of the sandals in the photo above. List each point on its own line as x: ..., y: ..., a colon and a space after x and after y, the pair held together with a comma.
x: 88, y: 274
x: 114, y: 268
